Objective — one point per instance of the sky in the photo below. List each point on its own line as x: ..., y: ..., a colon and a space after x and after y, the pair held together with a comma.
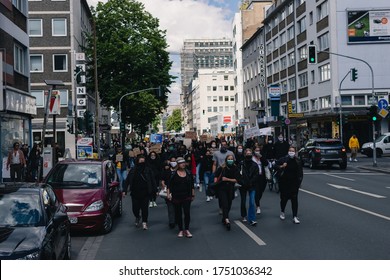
x: 189, y: 19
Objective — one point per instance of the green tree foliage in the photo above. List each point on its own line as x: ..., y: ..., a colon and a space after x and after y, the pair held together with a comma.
x: 174, y: 121
x: 131, y: 55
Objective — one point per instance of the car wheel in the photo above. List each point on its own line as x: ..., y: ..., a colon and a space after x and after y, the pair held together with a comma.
x: 68, y: 247
x: 119, y: 208
x: 312, y: 164
x: 379, y: 152
x: 107, y: 224
x: 343, y: 165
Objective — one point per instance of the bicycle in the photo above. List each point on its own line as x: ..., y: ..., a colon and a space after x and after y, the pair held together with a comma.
x: 272, y: 178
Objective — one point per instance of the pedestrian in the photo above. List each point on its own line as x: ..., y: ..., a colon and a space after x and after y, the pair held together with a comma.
x: 268, y: 149
x: 249, y: 180
x: 262, y: 164
x: 206, y: 171
x: 229, y: 176
x: 154, y: 163
x: 181, y: 192
x: 33, y: 163
x: 140, y: 184
x: 290, y: 179
x: 239, y: 154
x: 122, y: 163
x: 170, y: 167
x: 354, y: 146
x: 16, y: 162
x: 280, y: 147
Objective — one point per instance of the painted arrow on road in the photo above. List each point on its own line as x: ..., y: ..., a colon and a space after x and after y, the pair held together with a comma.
x: 352, y: 190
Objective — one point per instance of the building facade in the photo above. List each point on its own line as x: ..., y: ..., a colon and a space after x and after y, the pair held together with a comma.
x: 311, y: 95
x: 17, y: 106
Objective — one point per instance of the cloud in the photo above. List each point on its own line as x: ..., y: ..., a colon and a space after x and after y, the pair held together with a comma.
x: 188, y: 19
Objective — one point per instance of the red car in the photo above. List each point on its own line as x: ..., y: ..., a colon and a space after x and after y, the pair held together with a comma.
x: 90, y: 191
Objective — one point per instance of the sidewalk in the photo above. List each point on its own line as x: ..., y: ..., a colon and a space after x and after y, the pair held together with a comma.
x: 382, y: 168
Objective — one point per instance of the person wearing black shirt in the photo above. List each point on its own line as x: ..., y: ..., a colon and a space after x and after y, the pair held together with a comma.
x: 281, y: 147
x: 140, y: 182
x: 170, y: 167
x: 181, y: 192
x: 206, y: 172
x: 154, y: 163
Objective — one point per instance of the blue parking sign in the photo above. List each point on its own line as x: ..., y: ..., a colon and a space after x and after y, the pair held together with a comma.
x: 383, y: 104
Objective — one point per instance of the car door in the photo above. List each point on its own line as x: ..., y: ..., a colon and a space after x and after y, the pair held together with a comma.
x: 112, y: 193
x: 305, y: 151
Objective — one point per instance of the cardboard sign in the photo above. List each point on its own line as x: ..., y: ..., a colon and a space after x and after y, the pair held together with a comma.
x: 131, y: 154
x: 191, y: 135
x: 203, y: 138
x: 136, y: 152
x: 155, y: 148
x: 132, y: 135
x: 187, y: 142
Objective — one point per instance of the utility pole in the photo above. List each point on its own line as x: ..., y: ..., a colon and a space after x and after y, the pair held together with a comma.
x: 97, y: 103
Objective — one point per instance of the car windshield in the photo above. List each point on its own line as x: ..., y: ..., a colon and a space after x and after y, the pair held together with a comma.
x: 380, y: 138
x: 76, y: 176
x: 20, y: 210
x: 329, y: 144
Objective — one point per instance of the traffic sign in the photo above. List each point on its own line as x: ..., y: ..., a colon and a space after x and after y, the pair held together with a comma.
x: 287, y: 121
x: 383, y: 113
x: 383, y: 104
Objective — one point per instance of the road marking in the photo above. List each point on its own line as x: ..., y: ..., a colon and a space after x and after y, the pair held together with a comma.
x: 348, y: 205
x: 250, y: 233
x: 90, y: 248
x: 353, y: 190
x: 344, y: 178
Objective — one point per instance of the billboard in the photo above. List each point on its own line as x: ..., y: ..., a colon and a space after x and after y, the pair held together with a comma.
x: 366, y: 26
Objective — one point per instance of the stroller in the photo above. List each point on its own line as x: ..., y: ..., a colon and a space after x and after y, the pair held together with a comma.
x: 272, y: 179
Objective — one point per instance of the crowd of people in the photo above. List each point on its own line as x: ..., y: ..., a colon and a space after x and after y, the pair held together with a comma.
x: 221, y: 169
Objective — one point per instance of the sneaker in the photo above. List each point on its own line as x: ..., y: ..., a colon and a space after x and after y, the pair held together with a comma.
x: 253, y: 223
x: 136, y: 223
x: 144, y: 226
x: 208, y: 199
x: 350, y: 159
x: 180, y: 234
x: 258, y: 211
x: 296, y: 221
x: 282, y: 216
x: 150, y: 204
x: 154, y: 204
x: 355, y: 159
x: 211, y: 197
x: 188, y: 234
x: 200, y: 188
x: 244, y: 220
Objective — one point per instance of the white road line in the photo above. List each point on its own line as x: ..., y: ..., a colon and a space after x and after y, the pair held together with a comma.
x: 344, y: 178
x: 90, y: 248
x: 357, y: 191
x: 250, y: 233
x: 348, y: 205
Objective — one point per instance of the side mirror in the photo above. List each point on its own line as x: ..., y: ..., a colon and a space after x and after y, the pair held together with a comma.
x: 114, y: 184
x: 59, y: 218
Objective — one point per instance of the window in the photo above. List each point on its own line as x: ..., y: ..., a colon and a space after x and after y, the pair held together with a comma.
x: 231, y: 98
x: 301, y: 25
x: 291, y: 84
x: 313, y: 77
x: 311, y: 18
x: 226, y: 108
x: 220, y: 108
x: 208, y: 88
x: 63, y: 97
x: 322, y: 11
x: 325, y: 102
x: 346, y: 100
x: 304, y: 106
x: 323, y: 41
x: 36, y: 63
x: 39, y: 97
x: 282, y: 15
x: 21, y: 5
x: 60, y: 63
x: 290, y: 33
x: 214, y: 88
x: 35, y: 27
x: 20, y: 58
x: 276, y: 66
x: 284, y: 86
x: 208, y: 98
x: 300, y: 2
x: 215, y: 109
x: 359, y: 100
x: 283, y: 63
x: 231, y: 87
x: 283, y: 37
x: 291, y: 59
x: 226, y: 98
x: 59, y: 27
x: 269, y: 70
x: 324, y: 72
x: 215, y: 98
x: 209, y: 109
x: 302, y: 53
x: 220, y: 98
x: 226, y: 77
x: 226, y: 88
x: 314, y: 104
x: 275, y: 43
x: 303, y: 80
x: 290, y: 8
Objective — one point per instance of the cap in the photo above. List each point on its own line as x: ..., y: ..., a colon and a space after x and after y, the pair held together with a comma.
x: 180, y: 160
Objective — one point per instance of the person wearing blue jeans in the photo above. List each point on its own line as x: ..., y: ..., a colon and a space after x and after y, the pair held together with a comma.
x: 122, y: 163
x: 207, y: 171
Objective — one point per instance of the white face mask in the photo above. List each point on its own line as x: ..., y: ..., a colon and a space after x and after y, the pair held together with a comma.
x: 173, y: 164
x: 239, y: 150
x: 291, y: 154
x: 153, y: 157
x: 213, y: 146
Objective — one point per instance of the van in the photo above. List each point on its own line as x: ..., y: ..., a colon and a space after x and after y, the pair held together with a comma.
x: 382, y: 146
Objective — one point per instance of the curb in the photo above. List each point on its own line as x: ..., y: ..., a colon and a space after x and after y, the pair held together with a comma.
x: 376, y: 169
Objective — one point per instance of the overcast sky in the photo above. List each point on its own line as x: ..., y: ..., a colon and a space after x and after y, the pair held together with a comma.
x: 189, y: 19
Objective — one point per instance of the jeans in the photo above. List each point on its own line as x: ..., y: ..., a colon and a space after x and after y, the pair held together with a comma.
x: 122, y: 174
x: 207, y: 178
x: 197, y: 179
x: 252, y: 207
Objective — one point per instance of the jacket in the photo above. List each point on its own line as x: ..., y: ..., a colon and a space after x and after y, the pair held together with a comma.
x: 249, y: 175
x: 147, y: 176
x: 289, y: 179
x: 353, y: 143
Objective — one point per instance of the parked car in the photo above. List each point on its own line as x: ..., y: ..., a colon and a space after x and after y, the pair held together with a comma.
x: 319, y: 151
x: 33, y: 223
x: 382, y: 144
x: 90, y: 190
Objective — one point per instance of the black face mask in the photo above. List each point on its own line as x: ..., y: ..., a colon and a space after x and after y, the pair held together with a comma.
x: 141, y: 165
x: 248, y: 157
x: 223, y: 150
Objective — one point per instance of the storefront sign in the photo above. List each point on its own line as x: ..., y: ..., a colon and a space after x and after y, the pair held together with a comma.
x: 20, y: 103
x: 274, y: 92
x: 85, y: 148
x: 262, y: 66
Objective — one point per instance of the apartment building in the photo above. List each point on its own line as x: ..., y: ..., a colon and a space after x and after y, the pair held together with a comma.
x: 17, y: 106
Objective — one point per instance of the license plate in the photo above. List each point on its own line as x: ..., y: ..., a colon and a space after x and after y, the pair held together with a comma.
x: 73, y: 220
x: 331, y: 152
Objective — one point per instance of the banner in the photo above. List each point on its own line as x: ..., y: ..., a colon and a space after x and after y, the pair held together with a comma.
x: 251, y: 132
x: 156, y: 138
x: 85, y: 148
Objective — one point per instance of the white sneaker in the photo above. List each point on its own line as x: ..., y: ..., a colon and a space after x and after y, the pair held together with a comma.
x: 296, y: 221
x: 208, y: 199
x: 200, y: 188
x: 258, y: 211
x: 150, y: 204
x: 211, y: 198
x: 154, y: 204
x: 355, y: 159
x: 282, y: 216
x: 350, y: 159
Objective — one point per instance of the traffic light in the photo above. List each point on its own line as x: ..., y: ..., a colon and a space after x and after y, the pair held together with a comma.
x: 223, y: 128
x: 373, y: 113
x: 88, y: 117
x: 122, y: 127
x: 354, y: 74
x: 69, y: 125
x: 312, y: 54
x: 338, y: 120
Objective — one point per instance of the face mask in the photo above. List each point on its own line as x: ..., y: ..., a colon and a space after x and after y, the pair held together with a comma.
x: 173, y: 164
x: 141, y: 164
x: 153, y: 157
x: 291, y: 154
x: 239, y: 150
x: 209, y: 156
x: 230, y: 162
x: 280, y: 139
x: 269, y: 142
x: 213, y: 145
x: 258, y: 154
x: 248, y: 157
x: 223, y: 149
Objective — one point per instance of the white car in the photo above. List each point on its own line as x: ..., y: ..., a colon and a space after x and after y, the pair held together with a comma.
x: 382, y: 146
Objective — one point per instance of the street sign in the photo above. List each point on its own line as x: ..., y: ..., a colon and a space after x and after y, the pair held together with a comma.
x: 296, y: 115
x: 383, y: 104
x: 287, y: 121
x: 383, y: 113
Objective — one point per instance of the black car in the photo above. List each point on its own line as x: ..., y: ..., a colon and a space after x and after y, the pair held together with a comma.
x: 321, y: 151
x: 33, y: 223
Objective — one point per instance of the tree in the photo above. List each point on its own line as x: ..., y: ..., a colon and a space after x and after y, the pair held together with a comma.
x: 174, y: 121
x: 132, y: 55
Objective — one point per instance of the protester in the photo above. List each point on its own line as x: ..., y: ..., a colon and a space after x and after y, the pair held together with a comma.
x: 15, y: 162
x: 290, y: 179
x: 262, y: 163
x: 154, y: 163
x: 170, y: 167
x: 181, y: 192
x: 354, y: 146
x: 206, y: 172
x: 122, y: 163
x: 281, y: 147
